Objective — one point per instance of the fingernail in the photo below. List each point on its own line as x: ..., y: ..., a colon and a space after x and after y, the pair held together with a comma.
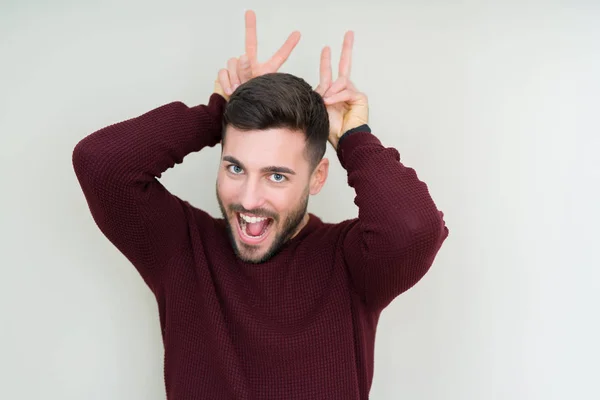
x: 228, y: 91
x: 237, y: 85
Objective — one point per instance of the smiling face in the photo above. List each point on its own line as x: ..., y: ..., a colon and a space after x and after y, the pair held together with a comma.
x: 263, y: 185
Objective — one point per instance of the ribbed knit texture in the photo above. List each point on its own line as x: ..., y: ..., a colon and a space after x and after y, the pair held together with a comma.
x: 300, y: 326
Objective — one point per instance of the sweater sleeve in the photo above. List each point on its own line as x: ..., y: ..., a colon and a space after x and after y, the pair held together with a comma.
x: 399, y: 229
x: 117, y: 168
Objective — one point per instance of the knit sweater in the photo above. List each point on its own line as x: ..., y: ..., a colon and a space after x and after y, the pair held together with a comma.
x: 299, y: 326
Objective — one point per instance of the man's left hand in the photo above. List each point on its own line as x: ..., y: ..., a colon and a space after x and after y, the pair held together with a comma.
x: 347, y: 107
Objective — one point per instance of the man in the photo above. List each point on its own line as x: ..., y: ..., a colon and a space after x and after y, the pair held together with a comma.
x: 268, y: 302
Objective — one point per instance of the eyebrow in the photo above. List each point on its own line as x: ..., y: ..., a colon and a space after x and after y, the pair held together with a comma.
x: 272, y: 168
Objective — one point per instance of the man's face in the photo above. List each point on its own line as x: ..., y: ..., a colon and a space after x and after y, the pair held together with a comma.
x: 263, y: 185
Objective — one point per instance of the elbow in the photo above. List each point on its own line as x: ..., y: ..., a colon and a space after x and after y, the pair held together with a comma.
x: 85, y: 159
x: 428, y: 240
x: 90, y: 167
x: 412, y: 241
x: 436, y: 231
x: 416, y: 255
x: 406, y: 262
x: 93, y: 156
x: 82, y: 160
x: 421, y: 238
x: 80, y: 157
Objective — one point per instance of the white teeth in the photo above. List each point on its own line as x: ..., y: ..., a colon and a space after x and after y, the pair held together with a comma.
x: 251, y: 220
x: 244, y: 220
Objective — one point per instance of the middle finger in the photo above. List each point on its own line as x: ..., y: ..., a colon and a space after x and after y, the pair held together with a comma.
x: 346, y: 57
x: 251, y: 42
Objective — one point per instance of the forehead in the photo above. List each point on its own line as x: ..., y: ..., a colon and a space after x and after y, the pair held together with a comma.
x: 258, y: 148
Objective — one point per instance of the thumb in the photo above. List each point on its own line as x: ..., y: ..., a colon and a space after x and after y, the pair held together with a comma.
x: 244, y: 69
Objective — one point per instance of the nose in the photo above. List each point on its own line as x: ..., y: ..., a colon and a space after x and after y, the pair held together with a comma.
x: 251, y: 196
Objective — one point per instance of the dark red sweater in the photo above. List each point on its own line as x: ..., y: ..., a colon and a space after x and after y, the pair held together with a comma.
x: 300, y: 326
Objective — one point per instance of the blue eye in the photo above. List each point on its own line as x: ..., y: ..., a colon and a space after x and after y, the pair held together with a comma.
x: 278, y: 177
x: 236, y: 169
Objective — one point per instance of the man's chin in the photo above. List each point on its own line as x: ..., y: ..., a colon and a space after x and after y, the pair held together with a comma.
x: 254, y: 254
x: 259, y: 250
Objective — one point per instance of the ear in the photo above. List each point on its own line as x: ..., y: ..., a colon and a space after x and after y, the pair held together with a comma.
x: 319, y: 176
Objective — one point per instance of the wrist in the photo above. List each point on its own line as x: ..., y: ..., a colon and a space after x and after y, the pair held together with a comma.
x: 219, y: 90
x: 360, y: 128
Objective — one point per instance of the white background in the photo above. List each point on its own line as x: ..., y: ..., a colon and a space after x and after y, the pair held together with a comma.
x: 494, y: 104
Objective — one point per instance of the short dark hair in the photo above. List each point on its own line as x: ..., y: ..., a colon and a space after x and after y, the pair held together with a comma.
x: 281, y: 100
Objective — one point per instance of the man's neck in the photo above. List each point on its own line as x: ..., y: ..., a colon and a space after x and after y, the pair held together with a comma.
x: 302, y: 224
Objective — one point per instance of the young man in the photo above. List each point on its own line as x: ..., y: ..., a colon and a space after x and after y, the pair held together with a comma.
x: 267, y: 302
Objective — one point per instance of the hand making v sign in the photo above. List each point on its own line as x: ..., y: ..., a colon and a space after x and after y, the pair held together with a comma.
x: 241, y: 70
x: 347, y: 107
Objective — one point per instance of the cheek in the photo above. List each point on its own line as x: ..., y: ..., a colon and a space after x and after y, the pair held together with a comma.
x: 226, y: 190
x: 285, y: 200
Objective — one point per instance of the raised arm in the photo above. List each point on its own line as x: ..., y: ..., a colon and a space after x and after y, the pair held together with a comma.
x: 399, y: 229
x: 118, y: 166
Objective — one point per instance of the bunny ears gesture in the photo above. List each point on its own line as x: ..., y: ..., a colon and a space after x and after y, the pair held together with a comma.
x: 347, y: 107
x: 242, y: 69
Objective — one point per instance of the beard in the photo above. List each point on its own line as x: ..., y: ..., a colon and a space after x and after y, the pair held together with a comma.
x: 284, y: 232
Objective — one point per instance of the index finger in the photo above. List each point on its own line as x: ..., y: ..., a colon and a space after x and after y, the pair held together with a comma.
x: 346, y: 58
x: 284, y: 52
x: 251, y: 43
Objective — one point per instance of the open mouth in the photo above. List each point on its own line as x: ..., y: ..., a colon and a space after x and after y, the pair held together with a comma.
x: 253, y: 229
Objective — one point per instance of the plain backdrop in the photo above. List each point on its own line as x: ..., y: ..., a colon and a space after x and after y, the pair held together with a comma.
x: 495, y: 105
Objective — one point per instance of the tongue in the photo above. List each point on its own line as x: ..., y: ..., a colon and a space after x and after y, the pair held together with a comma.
x: 256, y: 228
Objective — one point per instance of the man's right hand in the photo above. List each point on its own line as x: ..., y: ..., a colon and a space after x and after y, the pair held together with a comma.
x: 241, y: 70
